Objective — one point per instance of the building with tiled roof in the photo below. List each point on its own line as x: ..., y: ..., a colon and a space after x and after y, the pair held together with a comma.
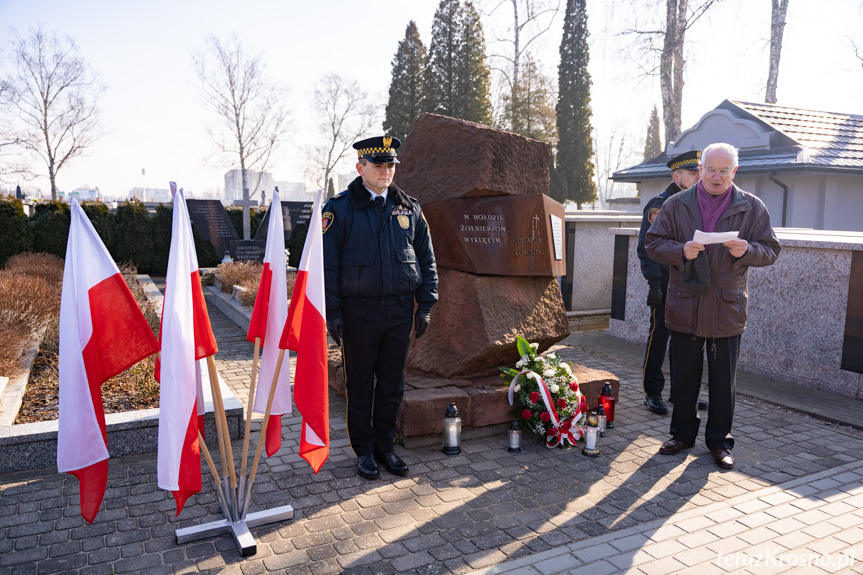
x: 806, y: 165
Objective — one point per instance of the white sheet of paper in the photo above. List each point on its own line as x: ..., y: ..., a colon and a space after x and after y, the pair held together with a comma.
x: 705, y: 238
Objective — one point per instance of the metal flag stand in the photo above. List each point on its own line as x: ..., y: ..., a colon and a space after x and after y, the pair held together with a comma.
x: 235, y: 493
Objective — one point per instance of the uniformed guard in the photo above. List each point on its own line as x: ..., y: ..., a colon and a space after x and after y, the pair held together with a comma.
x: 378, y: 261
x: 684, y: 172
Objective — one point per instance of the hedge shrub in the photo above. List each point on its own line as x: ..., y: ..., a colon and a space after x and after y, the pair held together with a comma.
x: 134, y: 239
x: 235, y: 213
x: 50, y: 227
x: 14, y: 233
x: 102, y: 219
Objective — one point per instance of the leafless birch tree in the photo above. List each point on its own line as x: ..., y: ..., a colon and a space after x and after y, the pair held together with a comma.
x: 777, y: 27
x: 52, y: 100
x: 345, y: 116
x: 254, y: 116
x: 680, y: 16
x: 611, y: 153
x: 530, y: 20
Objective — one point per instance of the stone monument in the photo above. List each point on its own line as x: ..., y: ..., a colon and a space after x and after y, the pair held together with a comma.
x: 498, y: 242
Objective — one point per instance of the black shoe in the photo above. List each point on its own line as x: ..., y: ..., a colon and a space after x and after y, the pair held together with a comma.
x: 367, y: 467
x: 702, y: 405
x: 655, y: 404
x: 392, y: 462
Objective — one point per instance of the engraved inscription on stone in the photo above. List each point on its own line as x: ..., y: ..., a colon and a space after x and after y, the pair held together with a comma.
x: 500, y: 235
x: 248, y: 250
x: 212, y: 223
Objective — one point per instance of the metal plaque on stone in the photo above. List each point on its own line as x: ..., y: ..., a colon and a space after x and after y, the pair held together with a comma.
x: 498, y: 235
x: 212, y: 224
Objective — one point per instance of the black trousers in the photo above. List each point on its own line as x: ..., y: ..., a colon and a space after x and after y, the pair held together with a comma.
x: 687, y: 356
x: 654, y: 355
x: 375, y: 338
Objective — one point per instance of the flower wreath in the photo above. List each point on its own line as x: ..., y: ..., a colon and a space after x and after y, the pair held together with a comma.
x: 548, y: 394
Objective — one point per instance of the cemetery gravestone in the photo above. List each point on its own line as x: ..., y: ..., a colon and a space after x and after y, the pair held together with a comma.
x: 212, y: 223
x: 293, y: 214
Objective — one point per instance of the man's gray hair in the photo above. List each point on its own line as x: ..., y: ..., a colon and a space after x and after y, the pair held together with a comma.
x: 720, y: 146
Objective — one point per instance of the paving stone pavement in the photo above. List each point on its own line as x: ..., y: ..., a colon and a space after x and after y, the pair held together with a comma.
x: 798, y: 485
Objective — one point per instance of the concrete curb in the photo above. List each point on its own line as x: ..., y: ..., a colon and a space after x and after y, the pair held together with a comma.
x: 239, y: 314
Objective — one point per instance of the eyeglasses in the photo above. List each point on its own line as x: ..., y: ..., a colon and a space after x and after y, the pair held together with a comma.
x: 724, y: 172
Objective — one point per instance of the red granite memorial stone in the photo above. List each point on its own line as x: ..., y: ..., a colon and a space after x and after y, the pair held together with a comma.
x: 498, y: 242
x: 445, y: 158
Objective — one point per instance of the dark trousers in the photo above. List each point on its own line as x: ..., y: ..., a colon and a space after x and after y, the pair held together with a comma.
x: 376, y: 338
x: 654, y: 355
x: 687, y: 356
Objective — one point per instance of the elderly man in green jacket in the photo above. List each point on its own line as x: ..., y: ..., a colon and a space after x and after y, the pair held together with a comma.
x: 708, y: 296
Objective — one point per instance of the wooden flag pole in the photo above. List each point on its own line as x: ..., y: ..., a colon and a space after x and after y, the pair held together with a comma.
x: 209, y: 459
x: 219, y: 433
x: 252, y: 386
x: 219, y: 413
x: 266, y: 420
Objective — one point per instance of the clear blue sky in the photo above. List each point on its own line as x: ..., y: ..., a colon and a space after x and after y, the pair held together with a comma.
x: 152, y: 109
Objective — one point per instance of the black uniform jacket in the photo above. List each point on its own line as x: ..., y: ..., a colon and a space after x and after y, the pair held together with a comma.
x: 367, y: 258
x: 652, y: 271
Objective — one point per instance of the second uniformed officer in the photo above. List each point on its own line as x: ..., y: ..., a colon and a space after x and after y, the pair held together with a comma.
x: 684, y: 172
x: 378, y: 261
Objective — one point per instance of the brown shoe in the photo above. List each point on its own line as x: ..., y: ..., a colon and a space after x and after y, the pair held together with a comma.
x: 723, y: 458
x: 673, y: 446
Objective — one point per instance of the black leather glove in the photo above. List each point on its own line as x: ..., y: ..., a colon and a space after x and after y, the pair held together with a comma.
x: 421, y: 322
x: 336, y: 327
x: 654, y: 295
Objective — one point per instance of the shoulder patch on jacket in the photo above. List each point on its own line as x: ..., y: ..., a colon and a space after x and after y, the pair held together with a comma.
x: 651, y: 214
x: 327, y: 220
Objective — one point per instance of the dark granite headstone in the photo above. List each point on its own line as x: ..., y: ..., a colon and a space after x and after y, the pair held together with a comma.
x: 293, y: 214
x: 212, y: 224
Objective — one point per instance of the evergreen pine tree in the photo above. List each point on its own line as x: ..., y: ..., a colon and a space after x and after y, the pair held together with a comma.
x: 474, y: 77
x: 529, y: 109
x: 457, y: 79
x: 331, y: 189
x: 652, y: 143
x: 406, y: 89
x: 575, y: 169
x: 440, y: 76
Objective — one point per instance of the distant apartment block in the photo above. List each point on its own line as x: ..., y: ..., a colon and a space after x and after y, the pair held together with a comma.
x: 151, y: 195
x: 258, y: 182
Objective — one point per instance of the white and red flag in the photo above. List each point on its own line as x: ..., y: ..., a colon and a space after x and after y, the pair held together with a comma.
x: 102, y: 333
x: 305, y: 332
x: 268, y: 320
x: 186, y: 336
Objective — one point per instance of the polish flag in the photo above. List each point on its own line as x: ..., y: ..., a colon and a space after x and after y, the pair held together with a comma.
x: 102, y: 333
x: 305, y: 332
x: 268, y: 319
x: 186, y: 336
